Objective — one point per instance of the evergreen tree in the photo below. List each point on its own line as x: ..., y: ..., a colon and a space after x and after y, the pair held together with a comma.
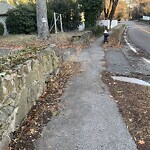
x: 92, y: 10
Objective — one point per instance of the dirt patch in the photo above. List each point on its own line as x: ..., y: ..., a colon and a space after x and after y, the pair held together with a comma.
x: 134, y: 104
x: 22, y: 41
x: 17, y: 42
x: 115, y: 38
x: 46, y: 107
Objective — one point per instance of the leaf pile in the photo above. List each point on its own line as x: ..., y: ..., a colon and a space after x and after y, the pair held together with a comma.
x: 134, y: 104
x: 41, y: 113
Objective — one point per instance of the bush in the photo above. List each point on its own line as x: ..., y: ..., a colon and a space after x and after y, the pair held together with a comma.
x: 22, y: 19
x: 92, y: 10
x: 98, y: 30
x: 1, y: 29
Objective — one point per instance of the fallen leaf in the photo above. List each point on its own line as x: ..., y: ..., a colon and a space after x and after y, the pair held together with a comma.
x: 141, y: 142
x: 32, y: 131
x: 130, y: 119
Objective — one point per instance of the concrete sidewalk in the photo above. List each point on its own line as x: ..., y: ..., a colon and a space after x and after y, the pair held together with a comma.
x: 90, y: 119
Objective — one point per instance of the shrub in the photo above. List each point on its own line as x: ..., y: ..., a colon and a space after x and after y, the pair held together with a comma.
x: 22, y: 19
x: 92, y: 10
x: 1, y: 29
x: 98, y: 30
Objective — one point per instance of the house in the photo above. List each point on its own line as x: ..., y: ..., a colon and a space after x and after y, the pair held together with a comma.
x: 4, y: 7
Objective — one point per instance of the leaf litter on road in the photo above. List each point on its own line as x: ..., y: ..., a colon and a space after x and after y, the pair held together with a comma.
x: 48, y: 103
x: 46, y: 107
x: 134, y: 104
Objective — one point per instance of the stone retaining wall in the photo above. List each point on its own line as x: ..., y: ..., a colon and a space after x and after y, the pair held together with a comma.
x: 20, y: 89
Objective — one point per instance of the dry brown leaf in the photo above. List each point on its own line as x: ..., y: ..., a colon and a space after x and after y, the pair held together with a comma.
x: 32, y: 131
x: 141, y: 142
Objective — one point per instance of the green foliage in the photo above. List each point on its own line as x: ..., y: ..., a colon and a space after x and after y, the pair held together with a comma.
x: 1, y: 29
x: 92, y: 9
x: 68, y: 9
x: 22, y: 19
x: 98, y: 30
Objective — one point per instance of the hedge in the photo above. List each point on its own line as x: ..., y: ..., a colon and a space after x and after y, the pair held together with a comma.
x: 22, y: 19
x: 1, y: 29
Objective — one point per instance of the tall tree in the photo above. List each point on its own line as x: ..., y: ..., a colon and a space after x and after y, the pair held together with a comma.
x: 140, y: 8
x: 92, y: 10
x: 109, y: 8
x: 42, y: 22
x: 17, y: 2
x: 122, y: 11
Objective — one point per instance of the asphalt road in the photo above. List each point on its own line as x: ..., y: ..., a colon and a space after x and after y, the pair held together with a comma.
x: 139, y: 35
x: 128, y: 60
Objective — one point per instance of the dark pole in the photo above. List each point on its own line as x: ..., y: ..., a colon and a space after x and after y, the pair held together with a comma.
x: 104, y: 15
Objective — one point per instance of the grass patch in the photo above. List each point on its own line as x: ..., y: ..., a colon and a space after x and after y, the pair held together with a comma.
x: 18, y: 42
x: 115, y: 37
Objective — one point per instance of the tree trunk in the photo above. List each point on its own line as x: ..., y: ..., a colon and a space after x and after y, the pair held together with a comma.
x: 42, y: 22
x: 112, y: 12
x: 114, y: 5
x: 107, y: 10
